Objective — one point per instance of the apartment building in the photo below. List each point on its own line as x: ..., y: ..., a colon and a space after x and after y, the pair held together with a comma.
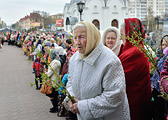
x: 142, y: 8
x: 166, y: 6
x: 138, y: 8
x: 33, y: 20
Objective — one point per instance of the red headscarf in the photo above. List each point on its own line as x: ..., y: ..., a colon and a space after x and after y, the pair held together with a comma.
x: 133, y: 26
x: 136, y: 69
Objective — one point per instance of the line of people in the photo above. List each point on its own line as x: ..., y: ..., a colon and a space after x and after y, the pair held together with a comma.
x: 110, y: 79
x: 55, y: 55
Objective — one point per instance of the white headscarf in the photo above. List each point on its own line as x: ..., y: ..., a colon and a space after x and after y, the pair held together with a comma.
x: 118, y: 43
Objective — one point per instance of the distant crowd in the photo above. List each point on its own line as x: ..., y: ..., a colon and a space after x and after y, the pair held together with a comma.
x: 55, y: 50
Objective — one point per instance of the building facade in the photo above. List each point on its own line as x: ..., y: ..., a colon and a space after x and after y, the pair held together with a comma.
x: 166, y: 6
x: 58, y: 24
x: 34, y: 20
x: 142, y: 8
x: 2, y: 24
x: 138, y: 9
x: 102, y: 13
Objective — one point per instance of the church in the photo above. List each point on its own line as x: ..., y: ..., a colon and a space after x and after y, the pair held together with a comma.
x: 102, y: 13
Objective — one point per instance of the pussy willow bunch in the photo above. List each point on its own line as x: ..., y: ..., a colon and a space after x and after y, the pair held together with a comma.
x: 57, y: 83
x: 164, y: 95
x: 71, y: 37
x: 135, y: 40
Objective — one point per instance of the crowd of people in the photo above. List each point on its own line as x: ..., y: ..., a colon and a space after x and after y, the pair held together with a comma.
x: 109, y: 77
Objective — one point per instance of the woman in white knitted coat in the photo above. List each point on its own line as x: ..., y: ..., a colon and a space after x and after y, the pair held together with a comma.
x: 96, y: 78
x: 56, y: 66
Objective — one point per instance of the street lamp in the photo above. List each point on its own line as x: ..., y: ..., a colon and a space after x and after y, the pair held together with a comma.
x: 80, y: 6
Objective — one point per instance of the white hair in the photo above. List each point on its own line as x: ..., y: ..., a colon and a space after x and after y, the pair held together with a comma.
x: 123, y: 27
x: 78, y: 25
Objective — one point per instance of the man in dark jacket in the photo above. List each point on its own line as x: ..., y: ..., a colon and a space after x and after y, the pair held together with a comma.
x: 149, y: 41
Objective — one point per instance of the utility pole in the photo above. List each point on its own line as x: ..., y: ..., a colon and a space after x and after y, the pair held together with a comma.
x: 148, y: 17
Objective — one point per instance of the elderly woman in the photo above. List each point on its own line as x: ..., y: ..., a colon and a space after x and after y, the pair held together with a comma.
x: 58, y: 53
x: 56, y: 65
x: 111, y: 39
x: 136, y: 69
x: 96, y: 78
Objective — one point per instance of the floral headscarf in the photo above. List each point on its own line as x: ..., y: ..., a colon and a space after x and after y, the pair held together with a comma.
x: 133, y: 26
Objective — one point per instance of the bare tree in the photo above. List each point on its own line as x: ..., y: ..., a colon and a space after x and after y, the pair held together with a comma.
x: 150, y: 20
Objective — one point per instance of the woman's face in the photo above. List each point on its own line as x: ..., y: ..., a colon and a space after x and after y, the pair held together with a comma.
x: 80, y: 38
x: 69, y: 56
x: 164, y: 44
x: 122, y: 36
x: 111, y: 38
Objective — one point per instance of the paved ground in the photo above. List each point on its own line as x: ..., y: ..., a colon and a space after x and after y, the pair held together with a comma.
x: 18, y: 100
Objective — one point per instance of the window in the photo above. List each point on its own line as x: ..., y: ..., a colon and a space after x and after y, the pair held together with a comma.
x: 114, y: 23
x: 96, y: 23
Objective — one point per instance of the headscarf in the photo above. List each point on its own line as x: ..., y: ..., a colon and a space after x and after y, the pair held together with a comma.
x: 60, y: 50
x: 93, y: 37
x: 133, y: 25
x: 48, y: 43
x: 54, y: 53
x: 136, y: 69
x: 118, y: 43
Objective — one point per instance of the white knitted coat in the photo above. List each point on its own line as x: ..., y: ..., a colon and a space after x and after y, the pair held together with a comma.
x: 98, y: 82
x: 56, y: 65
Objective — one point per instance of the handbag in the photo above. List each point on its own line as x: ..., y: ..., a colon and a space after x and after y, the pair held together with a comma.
x: 46, y: 87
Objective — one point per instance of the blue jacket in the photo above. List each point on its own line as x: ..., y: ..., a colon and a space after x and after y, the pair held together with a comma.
x: 64, y: 81
x: 156, y: 77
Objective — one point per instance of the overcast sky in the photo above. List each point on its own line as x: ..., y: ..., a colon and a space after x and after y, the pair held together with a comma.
x: 12, y: 10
